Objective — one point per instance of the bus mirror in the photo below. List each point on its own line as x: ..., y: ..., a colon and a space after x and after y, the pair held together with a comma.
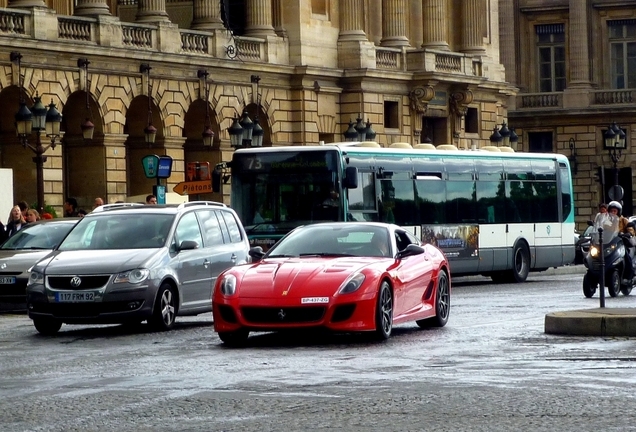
x: 216, y: 180
x: 351, y: 178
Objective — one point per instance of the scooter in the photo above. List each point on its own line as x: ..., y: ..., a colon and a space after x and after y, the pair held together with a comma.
x: 614, y: 252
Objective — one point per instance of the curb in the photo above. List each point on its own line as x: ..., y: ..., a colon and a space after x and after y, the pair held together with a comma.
x: 592, y: 322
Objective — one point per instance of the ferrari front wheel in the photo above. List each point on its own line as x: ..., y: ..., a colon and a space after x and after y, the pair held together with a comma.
x: 442, y: 304
x: 384, y: 312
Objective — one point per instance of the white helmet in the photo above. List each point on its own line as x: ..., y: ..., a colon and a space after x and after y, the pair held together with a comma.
x: 616, y: 205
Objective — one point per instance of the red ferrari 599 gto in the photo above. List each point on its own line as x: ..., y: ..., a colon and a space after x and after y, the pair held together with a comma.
x: 343, y: 276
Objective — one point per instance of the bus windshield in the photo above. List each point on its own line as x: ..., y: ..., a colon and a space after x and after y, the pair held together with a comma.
x: 279, y: 191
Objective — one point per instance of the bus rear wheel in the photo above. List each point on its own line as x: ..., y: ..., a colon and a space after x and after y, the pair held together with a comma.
x: 520, y: 266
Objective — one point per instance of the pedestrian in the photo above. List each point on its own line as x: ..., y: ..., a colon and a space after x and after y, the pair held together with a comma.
x: 81, y: 213
x: 24, y: 206
x: 151, y: 199
x: 32, y: 215
x: 16, y: 221
x: 98, y: 203
x: 70, y: 207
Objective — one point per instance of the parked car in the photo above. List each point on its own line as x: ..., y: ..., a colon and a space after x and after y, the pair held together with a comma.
x: 130, y: 263
x: 344, y: 276
x: 25, y: 248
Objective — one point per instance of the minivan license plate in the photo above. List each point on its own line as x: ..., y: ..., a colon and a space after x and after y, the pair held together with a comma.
x: 7, y: 280
x: 74, y: 297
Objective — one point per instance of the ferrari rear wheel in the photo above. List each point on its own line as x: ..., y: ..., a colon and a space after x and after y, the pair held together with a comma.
x: 384, y: 312
x: 442, y: 304
x: 234, y: 338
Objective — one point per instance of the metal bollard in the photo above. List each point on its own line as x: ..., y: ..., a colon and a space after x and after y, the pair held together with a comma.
x: 601, y: 282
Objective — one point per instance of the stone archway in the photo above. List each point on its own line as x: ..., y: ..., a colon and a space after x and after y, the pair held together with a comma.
x: 136, y: 146
x: 84, y: 161
x: 194, y: 151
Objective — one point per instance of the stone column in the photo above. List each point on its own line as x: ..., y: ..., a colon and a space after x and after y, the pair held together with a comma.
x: 277, y: 19
x: 579, y: 53
x: 351, y: 20
x: 435, y: 24
x: 394, y: 23
x: 473, y: 26
x: 91, y: 8
x: 259, y: 18
x: 207, y: 15
x: 26, y: 4
x: 507, y: 41
x: 151, y: 11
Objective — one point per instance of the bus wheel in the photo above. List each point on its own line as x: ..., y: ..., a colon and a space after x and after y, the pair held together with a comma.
x: 520, y: 263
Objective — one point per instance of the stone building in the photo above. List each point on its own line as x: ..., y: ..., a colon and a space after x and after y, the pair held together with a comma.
x: 416, y: 70
x: 574, y: 64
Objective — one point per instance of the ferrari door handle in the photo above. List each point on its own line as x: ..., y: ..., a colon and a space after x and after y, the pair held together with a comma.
x: 206, y: 263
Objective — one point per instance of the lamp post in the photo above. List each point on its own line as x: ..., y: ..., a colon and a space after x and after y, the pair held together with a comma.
x: 615, y: 142
x: 150, y: 132
x: 514, y: 139
x: 505, y: 134
x: 495, y: 137
x: 244, y: 132
x: 88, y: 128
x: 36, y: 119
x: 351, y: 134
x: 207, y: 134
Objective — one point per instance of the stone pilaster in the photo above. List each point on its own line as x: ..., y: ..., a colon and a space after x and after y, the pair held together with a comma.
x: 259, y: 18
x: 473, y: 22
x: 415, y: 19
x: 435, y: 24
x: 151, y: 11
x: 277, y: 18
x: 207, y: 15
x: 394, y: 23
x: 26, y: 4
x: 507, y: 31
x: 91, y: 8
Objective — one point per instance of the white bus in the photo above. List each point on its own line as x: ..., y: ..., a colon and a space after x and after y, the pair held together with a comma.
x: 493, y: 213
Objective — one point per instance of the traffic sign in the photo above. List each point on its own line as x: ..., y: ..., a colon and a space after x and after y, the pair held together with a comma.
x: 194, y: 187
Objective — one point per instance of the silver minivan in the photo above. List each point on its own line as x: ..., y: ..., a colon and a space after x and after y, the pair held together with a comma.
x: 126, y: 263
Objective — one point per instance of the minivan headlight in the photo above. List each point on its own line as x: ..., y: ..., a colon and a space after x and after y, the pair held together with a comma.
x: 228, y: 285
x: 132, y: 276
x: 36, y: 278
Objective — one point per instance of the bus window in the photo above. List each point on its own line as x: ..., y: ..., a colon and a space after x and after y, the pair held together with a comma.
x: 362, y: 200
x: 398, y: 199
x: 431, y: 200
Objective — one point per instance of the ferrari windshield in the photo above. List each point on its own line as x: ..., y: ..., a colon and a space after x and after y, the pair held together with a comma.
x: 334, y: 240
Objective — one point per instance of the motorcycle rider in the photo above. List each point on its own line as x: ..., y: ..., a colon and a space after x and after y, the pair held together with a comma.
x: 614, y: 209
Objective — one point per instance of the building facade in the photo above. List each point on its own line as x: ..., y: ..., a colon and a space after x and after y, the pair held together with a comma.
x: 416, y: 70
x: 574, y: 64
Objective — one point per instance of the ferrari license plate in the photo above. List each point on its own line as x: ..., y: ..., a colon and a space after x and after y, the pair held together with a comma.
x: 7, y: 280
x: 74, y: 297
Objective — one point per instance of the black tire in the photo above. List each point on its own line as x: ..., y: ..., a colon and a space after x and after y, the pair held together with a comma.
x: 520, y: 263
x: 384, y: 312
x: 442, y: 304
x: 614, y: 283
x: 589, y: 285
x: 165, y: 310
x: 47, y: 326
x: 626, y: 289
x: 234, y: 338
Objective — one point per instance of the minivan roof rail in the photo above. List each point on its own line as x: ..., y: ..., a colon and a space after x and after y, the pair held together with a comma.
x: 115, y: 206
x: 201, y: 203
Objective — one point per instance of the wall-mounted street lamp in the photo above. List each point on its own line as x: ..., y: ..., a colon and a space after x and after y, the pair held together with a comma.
x: 514, y: 139
x: 359, y: 131
x: 351, y: 134
x: 36, y: 119
x: 244, y: 132
x: 615, y: 141
x: 150, y: 132
x: 572, y: 158
x: 495, y: 137
x: 88, y: 128
x: 208, y: 134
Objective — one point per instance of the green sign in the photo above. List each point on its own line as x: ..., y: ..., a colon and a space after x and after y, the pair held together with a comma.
x: 151, y: 165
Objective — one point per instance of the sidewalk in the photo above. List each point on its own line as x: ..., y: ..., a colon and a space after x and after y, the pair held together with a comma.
x: 590, y: 322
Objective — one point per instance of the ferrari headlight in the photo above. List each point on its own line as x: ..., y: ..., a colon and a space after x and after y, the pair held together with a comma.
x: 352, y: 284
x: 228, y: 285
x: 36, y: 278
x: 133, y: 276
